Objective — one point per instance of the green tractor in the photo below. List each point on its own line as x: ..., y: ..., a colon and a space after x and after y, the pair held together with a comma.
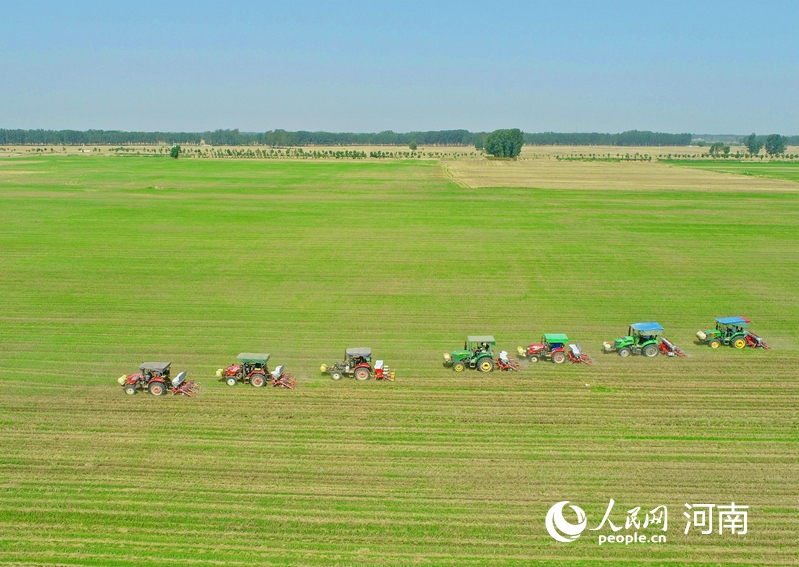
x: 733, y: 331
x: 476, y: 353
x: 643, y: 338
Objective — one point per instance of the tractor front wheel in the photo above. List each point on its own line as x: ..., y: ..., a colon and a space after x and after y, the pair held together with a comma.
x: 459, y: 366
x: 231, y: 381
x: 362, y: 374
x: 257, y: 380
x: 624, y: 352
x: 157, y: 388
x: 335, y: 375
x: 486, y: 365
x: 532, y: 358
x: 650, y: 351
x: 558, y: 358
x: 739, y: 343
x: 130, y: 389
x: 715, y: 343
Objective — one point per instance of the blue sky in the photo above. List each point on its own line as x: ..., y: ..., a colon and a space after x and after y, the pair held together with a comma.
x: 700, y: 67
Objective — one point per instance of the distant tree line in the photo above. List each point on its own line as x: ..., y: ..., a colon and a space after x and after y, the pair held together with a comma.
x: 233, y: 138
x: 631, y: 138
x: 278, y: 138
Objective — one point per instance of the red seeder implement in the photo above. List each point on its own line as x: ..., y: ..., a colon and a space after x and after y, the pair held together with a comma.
x: 577, y: 356
x: 282, y: 379
x: 669, y: 348
x: 186, y: 388
x: 507, y: 364
x: 753, y: 341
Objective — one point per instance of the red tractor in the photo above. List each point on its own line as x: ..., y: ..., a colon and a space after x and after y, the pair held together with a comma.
x: 154, y: 377
x: 554, y: 347
x: 254, y: 371
x: 358, y: 364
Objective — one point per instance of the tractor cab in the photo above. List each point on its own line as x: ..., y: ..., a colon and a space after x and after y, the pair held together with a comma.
x: 358, y: 356
x: 476, y: 353
x: 151, y: 370
x: 251, y: 361
x: 644, y: 333
x: 555, y: 341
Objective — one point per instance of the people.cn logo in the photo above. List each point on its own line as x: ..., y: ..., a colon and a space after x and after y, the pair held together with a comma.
x: 559, y: 528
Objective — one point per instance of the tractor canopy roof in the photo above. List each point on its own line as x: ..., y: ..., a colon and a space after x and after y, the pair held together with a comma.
x: 253, y: 357
x: 359, y: 351
x: 740, y: 321
x: 156, y: 366
x: 556, y: 338
x: 643, y: 327
x: 481, y: 339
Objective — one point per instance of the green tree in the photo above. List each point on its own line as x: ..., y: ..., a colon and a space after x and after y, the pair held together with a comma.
x: 175, y: 152
x: 504, y: 143
x: 753, y: 144
x: 412, y: 145
x: 718, y: 148
x: 775, y: 145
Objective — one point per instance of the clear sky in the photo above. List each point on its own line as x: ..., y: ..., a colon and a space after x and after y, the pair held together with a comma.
x: 700, y: 67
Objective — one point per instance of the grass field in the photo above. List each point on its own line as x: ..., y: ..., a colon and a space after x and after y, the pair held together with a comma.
x: 771, y: 170
x: 107, y: 262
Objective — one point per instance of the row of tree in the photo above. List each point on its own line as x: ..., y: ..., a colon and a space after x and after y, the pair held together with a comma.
x: 630, y: 138
x: 285, y: 138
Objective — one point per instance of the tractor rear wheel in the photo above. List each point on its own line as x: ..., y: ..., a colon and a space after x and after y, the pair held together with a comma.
x: 257, y: 380
x: 130, y: 389
x: 558, y: 358
x: 362, y: 374
x: 532, y: 358
x: 739, y: 343
x: 715, y: 343
x: 624, y: 352
x: 156, y: 388
x: 335, y: 375
x: 231, y: 381
x: 485, y: 365
x: 650, y: 351
x: 459, y: 366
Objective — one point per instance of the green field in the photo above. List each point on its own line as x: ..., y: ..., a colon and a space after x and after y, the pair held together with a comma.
x: 106, y: 262
x: 786, y: 170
